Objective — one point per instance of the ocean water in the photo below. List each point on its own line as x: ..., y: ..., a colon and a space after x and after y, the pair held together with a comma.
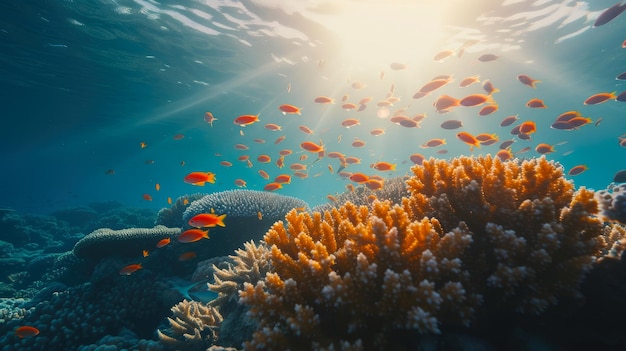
x: 104, y: 106
x: 85, y: 82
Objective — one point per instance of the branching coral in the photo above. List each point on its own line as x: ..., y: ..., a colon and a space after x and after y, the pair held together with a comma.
x: 193, y: 326
x: 476, y: 233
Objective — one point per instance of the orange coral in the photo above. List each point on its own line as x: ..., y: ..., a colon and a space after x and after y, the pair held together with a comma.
x: 475, y: 233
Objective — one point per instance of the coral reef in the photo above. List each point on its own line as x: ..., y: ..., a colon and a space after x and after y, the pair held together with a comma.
x: 248, y: 213
x: 193, y: 326
x: 105, y: 242
x: 612, y: 203
x: 477, y: 240
x: 393, y: 190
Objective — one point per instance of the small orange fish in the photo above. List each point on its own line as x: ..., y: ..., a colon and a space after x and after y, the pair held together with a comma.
x: 185, y: 202
x: 350, y: 122
x: 204, y: 220
x: 351, y: 160
x: 246, y: 120
x: 264, y: 158
x: 163, y: 242
x: 263, y: 174
x: 466, y: 82
x: 208, y: 117
x: 487, y: 110
x: 417, y: 158
x: 359, y: 178
x: 433, y: 143
x: 349, y: 106
x: 358, y: 142
x: 145, y: 253
x: 324, y: 100
x: 335, y: 154
x: 475, y: 100
x: 130, y: 269
x: 279, y: 139
x: 157, y: 186
x: 374, y: 184
x: 280, y: 162
x: 468, y: 139
x: 259, y: 215
x: 169, y: 200
x: 312, y: 147
x: 283, y: 179
x: 143, y: 144
x: 186, y: 256
x: 536, y: 103
x: 273, y: 127
x: 445, y: 103
x: 272, y: 186
x: 576, y: 170
x: 199, y: 178
x: 26, y: 331
x: 297, y: 167
x: 226, y: 163
x: 240, y: 183
x: 528, y: 127
x: 305, y: 129
x: 241, y: 147
x: 526, y: 80
x: 289, y: 109
x: 377, y: 132
x: 178, y: 136
x: 147, y: 197
x: 383, y: 166
x: 504, y: 155
x: 543, y: 148
x: 600, y: 98
x: 192, y: 235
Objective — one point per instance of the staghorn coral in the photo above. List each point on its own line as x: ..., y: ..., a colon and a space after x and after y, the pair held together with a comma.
x: 193, y: 326
x: 249, y: 265
x: 106, y: 242
x: 477, y: 238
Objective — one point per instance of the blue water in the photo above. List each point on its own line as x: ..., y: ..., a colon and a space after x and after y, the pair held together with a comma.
x: 85, y: 82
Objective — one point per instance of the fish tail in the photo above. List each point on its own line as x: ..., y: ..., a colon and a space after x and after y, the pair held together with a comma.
x: 220, y: 220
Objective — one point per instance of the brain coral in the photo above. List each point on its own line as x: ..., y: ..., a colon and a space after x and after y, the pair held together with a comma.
x: 106, y: 242
x: 476, y: 238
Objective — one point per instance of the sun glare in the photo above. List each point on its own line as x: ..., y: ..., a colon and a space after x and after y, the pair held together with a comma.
x: 374, y: 33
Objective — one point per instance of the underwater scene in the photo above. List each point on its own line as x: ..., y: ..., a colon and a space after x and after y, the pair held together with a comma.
x: 313, y: 175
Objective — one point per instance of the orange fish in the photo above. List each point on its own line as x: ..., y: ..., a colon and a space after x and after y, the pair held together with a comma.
x: 434, y: 85
x: 468, y: 139
x: 273, y: 127
x: 489, y: 88
x: 240, y: 183
x: 246, y: 120
x: 264, y: 158
x: 192, y: 235
x: 312, y: 147
x: 186, y: 256
x: 351, y: 160
x: 289, y: 109
x: 297, y: 167
x: 26, y: 331
x: 359, y: 178
x: 374, y: 184
x: 272, y: 186
x: 350, y: 122
x: 383, y: 166
x: 577, y: 170
x: 475, y: 100
x: 466, y: 82
x: 543, y: 148
x: 279, y: 139
x: 185, y: 202
x: 433, y: 143
x: 163, y: 242
x: 417, y: 158
x: 440, y: 56
x: 445, y: 103
x: 169, y: 200
x: 528, y: 127
x: 264, y: 174
x: 324, y: 100
x: 204, y: 220
x: 157, y: 186
x: 283, y: 179
x: 358, y: 142
x: 241, y: 147
x: 600, y: 98
x: 504, y: 155
x: 208, y: 117
x: 536, y: 103
x: 143, y: 144
x: 349, y: 106
x: 259, y: 215
x: 130, y: 269
x: 178, y: 136
x: 305, y: 129
x: 147, y: 197
x: 145, y: 253
x: 226, y: 163
x: 487, y: 110
x: 199, y: 178
x: 526, y: 80
x: 377, y: 132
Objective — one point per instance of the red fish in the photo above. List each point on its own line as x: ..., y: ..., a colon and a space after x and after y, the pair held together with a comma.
x: 383, y: 166
x: 204, y: 220
x: 26, y: 331
x: 543, y: 148
x: 272, y: 186
x: 246, y: 120
x: 359, y: 178
x: 130, y: 269
x: 468, y: 139
x: 192, y: 235
x: 311, y: 146
x: 199, y: 178
x: 289, y: 109
x: 283, y: 179
x: 163, y: 242
x: 147, y: 197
